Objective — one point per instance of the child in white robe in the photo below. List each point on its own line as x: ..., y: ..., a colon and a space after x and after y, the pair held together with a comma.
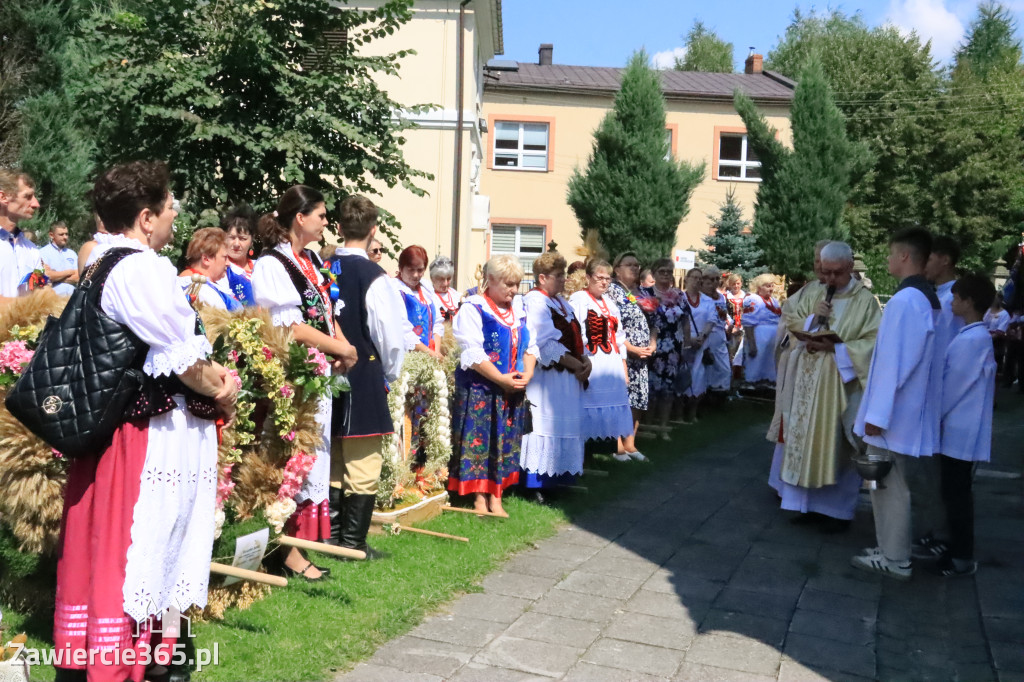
x: 968, y: 390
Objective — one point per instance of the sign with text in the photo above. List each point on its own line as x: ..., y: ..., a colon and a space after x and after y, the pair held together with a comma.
x: 249, y: 550
x: 685, y: 260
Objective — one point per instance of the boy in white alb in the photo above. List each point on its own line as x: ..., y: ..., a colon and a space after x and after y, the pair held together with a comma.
x: 968, y: 390
x: 899, y: 414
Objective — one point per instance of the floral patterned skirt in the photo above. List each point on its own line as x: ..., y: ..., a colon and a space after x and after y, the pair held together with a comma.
x: 487, y: 431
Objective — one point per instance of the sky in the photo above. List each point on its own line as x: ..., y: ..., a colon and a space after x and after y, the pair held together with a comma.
x: 606, y: 32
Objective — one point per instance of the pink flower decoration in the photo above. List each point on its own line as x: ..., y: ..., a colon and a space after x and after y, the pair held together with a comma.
x: 267, y: 354
x: 319, y: 361
x: 295, y: 474
x: 234, y: 375
x: 14, y: 355
x: 57, y: 454
x: 290, y: 436
x: 224, y: 485
x: 233, y: 355
x: 287, y: 391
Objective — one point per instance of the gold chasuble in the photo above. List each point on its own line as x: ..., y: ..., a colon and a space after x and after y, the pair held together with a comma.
x: 813, y: 400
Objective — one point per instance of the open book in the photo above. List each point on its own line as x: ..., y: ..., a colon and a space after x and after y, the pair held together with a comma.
x: 820, y: 335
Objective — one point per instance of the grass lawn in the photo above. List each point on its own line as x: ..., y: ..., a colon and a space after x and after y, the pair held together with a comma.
x: 312, y: 631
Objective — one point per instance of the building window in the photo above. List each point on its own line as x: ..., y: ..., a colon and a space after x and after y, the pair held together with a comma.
x: 668, y: 140
x: 523, y: 146
x: 736, y: 159
x: 525, y: 242
x: 330, y: 42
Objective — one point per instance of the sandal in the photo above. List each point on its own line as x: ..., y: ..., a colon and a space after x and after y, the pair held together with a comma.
x: 291, y: 572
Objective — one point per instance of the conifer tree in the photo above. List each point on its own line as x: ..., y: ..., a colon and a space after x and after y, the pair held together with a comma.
x: 731, y: 248
x: 803, y: 190
x: 632, y: 192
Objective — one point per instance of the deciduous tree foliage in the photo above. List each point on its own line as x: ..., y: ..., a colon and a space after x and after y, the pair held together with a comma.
x: 632, y: 192
x: 945, y: 143
x: 242, y: 98
x: 705, y: 51
x: 803, y: 190
x: 731, y: 247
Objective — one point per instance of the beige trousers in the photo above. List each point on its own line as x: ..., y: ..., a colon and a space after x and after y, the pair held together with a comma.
x: 891, y: 506
x: 356, y: 463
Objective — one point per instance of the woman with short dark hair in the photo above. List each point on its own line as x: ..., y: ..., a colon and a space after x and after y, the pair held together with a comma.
x: 138, y: 524
x: 207, y: 258
x: 239, y: 225
x: 426, y: 326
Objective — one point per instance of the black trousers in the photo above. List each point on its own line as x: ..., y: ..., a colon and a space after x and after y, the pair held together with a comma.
x: 959, y: 502
x: 1013, y: 363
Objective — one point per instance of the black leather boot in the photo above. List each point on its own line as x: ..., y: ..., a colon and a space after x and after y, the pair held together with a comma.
x: 355, y: 524
x: 336, y: 501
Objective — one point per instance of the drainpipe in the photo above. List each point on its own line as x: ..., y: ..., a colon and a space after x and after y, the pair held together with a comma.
x: 459, y: 85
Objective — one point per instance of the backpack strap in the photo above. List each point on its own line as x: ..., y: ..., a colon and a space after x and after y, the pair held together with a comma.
x: 96, y: 275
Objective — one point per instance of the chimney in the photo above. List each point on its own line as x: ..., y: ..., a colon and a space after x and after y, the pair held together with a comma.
x: 545, y: 51
x: 754, y: 64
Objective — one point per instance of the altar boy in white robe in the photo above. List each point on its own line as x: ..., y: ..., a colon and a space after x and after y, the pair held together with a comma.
x: 899, y: 414
x: 931, y: 540
x: 968, y: 390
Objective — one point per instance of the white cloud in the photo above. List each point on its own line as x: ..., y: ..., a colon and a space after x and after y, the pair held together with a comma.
x: 932, y: 20
x: 666, y: 59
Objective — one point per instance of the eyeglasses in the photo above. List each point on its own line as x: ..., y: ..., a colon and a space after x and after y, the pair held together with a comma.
x: 664, y: 271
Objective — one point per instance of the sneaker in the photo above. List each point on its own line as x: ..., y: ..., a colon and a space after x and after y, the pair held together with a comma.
x: 947, y: 567
x: 877, y: 563
x: 928, y: 548
x: 638, y: 456
x: 871, y: 551
x: 621, y: 457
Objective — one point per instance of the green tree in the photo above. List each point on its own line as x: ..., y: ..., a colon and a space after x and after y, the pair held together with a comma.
x: 242, y: 99
x: 731, y: 247
x: 705, y: 51
x: 885, y: 84
x: 991, y: 43
x: 803, y: 190
x: 977, y: 184
x: 632, y: 192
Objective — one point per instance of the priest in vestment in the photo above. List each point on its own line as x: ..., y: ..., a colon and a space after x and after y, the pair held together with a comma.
x: 785, y: 342
x: 825, y: 380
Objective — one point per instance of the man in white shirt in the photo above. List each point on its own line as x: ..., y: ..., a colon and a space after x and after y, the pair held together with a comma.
x: 17, y: 203
x: 899, y: 414
x: 62, y: 261
x: 369, y: 312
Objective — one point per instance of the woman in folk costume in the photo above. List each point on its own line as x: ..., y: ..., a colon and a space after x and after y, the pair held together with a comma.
x: 701, y: 316
x: 497, y: 362
x: 719, y: 374
x: 553, y: 450
x: 138, y: 524
x: 641, y: 342
x: 239, y: 224
x: 447, y: 299
x: 426, y: 326
x: 671, y: 326
x: 734, y: 296
x: 207, y: 257
x: 606, y: 412
x: 288, y: 282
x: 761, y: 312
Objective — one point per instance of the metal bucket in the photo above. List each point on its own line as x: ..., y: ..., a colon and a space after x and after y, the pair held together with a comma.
x: 873, y: 467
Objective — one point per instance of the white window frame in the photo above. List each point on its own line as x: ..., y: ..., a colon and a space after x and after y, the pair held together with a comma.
x: 518, y: 252
x: 519, y: 151
x: 743, y: 164
x: 669, y: 134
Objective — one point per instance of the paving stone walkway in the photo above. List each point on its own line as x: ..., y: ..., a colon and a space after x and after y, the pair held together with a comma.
x: 701, y: 578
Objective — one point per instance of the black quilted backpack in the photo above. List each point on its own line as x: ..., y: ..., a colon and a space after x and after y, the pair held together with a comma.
x: 86, y: 371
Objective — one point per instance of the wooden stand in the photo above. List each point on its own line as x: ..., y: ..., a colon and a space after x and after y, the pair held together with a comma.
x: 424, y: 510
x: 464, y: 510
x: 343, y: 552
x: 245, y: 574
x: 420, y: 531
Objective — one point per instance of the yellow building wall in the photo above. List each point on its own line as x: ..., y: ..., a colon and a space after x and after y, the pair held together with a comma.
x: 535, y: 197
x: 429, y: 77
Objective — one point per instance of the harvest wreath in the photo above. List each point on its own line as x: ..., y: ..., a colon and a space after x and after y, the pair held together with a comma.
x: 263, y: 458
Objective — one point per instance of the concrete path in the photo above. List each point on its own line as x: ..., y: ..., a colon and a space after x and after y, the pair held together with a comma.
x: 702, y: 578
